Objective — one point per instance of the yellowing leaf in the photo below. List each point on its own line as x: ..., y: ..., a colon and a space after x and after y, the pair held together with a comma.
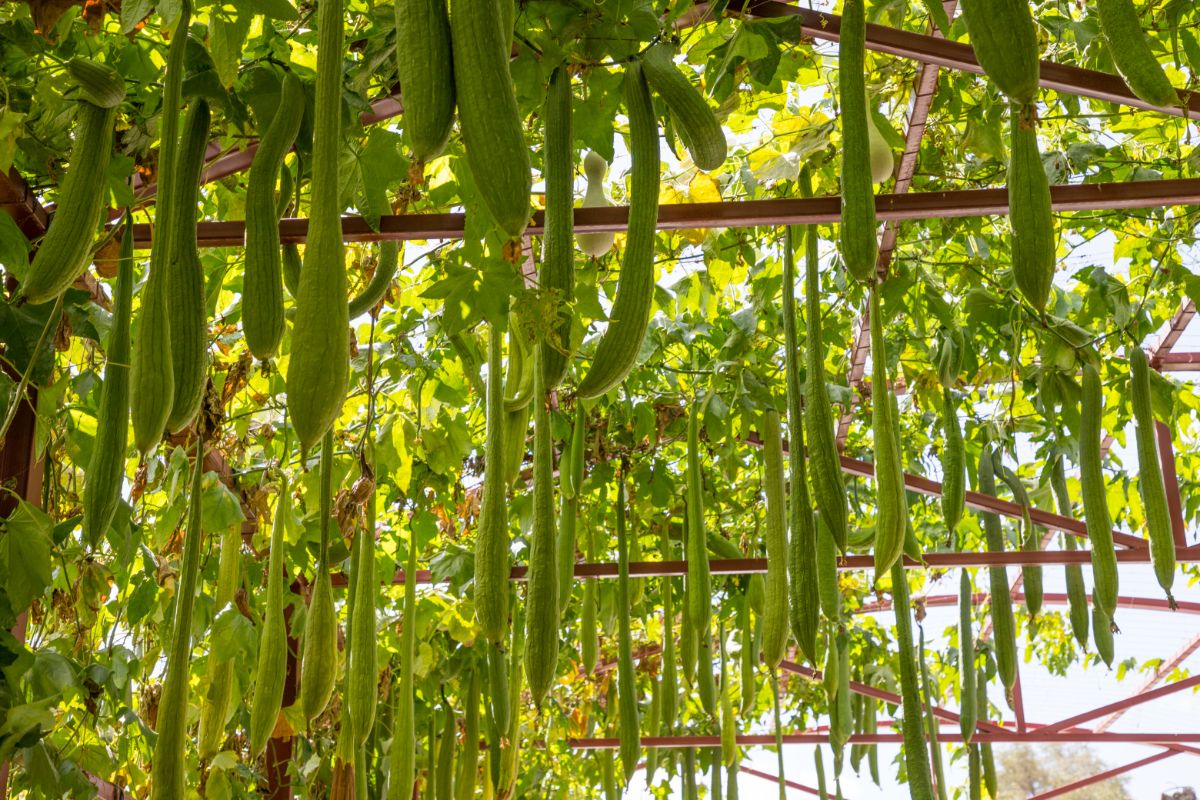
x: 703, y: 189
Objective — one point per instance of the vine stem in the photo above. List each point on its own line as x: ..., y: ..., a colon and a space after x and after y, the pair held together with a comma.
x: 18, y: 393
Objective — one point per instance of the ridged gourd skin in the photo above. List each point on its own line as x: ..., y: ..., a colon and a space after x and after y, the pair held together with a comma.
x: 1031, y: 574
x: 858, y: 240
x: 670, y: 669
x: 488, y: 115
x: 627, y: 694
x: 1105, y: 581
x: 630, y: 316
x: 272, y: 638
x: 1076, y: 590
x: 698, y: 585
x: 990, y: 777
x: 1033, y: 237
x: 966, y: 657
x: 589, y: 642
x: 842, y: 711
x: 425, y: 67
x: 447, y: 741
x: 728, y: 720
x: 65, y: 250
x: 491, y: 536
x: 706, y: 684
x: 319, y: 370
x: 402, y: 758
x: 152, y: 375
x: 695, y: 121
x: 318, y: 658
x: 510, y: 760
x: 829, y: 487
x: 106, y: 467
x: 262, y: 281
x: 1004, y: 37
x: 168, y: 769
x: 557, y: 271
x: 747, y: 659
x: 100, y: 84
x: 803, y: 602
x: 214, y: 711
x: 775, y: 615
x: 595, y: 168
x: 1131, y: 53
x: 541, y: 599
x: 883, y: 160
x: 892, y: 512
x: 1004, y: 625
x: 827, y: 573
x: 185, y: 274
x: 361, y: 668
x: 916, y: 757
x: 954, y: 465
x: 1150, y: 475
x: 974, y: 776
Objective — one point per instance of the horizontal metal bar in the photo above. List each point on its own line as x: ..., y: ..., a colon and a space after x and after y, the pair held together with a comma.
x: 748, y: 566
x: 959, y: 56
x: 734, y: 214
x: 991, y: 737
x: 1179, y: 362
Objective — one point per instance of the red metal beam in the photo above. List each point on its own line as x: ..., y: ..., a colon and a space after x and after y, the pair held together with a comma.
x: 768, y: 739
x: 1103, y: 776
x: 1175, y: 329
x: 18, y: 201
x: 766, y: 776
x: 1178, y: 362
x: 734, y: 214
x: 958, y: 56
x: 1166, y: 456
x: 1121, y: 705
x: 1160, y: 672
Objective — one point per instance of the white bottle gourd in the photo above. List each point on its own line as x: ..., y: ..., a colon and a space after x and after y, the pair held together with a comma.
x: 882, y: 159
x: 595, y: 168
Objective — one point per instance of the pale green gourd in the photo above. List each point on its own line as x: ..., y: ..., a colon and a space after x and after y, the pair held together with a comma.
x: 595, y: 168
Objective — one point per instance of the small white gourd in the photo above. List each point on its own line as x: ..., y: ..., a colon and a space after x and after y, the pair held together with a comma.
x: 882, y: 160
x: 595, y: 168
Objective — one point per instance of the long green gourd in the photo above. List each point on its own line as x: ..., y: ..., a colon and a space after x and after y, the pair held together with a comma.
x: 262, y: 280
x: 403, y: 757
x: 318, y: 659
x: 443, y: 777
x: 916, y: 758
x: 858, y: 242
x: 1004, y: 625
x: 488, y: 115
x: 541, y: 599
x: 425, y: 67
x: 570, y: 476
x: 653, y: 723
x: 618, y: 348
x: 1004, y: 37
x: 152, y: 376
x: 747, y: 658
x: 1150, y: 474
x: 381, y: 280
x: 214, y: 711
x: 889, y: 476
x: 698, y: 606
x: 272, y: 638
x: 185, y: 274
x: 1031, y: 538
x: 775, y: 616
x: 706, y: 684
x: 829, y: 488
x: 954, y: 465
x: 1033, y: 238
x: 361, y: 668
x: 931, y: 723
x: 1076, y: 590
x: 695, y: 121
x: 728, y: 720
x: 557, y: 271
x: 670, y: 669
x: 589, y: 640
x: 1105, y: 581
x: 491, y: 538
x: 106, y: 467
x: 966, y: 658
x: 627, y: 695
x: 803, y: 610
x: 319, y: 369
x: 167, y: 766
x: 64, y: 252
x: 1130, y: 51
x: 1102, y: 625
x: 466, y: 780
x: 827, y: 574
x: 510, y: 758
